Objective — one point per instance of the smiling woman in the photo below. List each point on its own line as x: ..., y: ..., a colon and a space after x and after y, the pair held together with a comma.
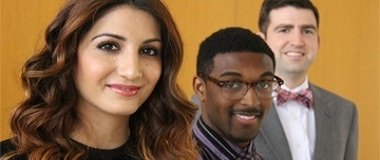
x: 100, y: 88
x: 125, y: 62
x: 348, y: 62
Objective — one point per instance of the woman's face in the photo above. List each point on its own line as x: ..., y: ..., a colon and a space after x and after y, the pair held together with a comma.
x: 119, y: 62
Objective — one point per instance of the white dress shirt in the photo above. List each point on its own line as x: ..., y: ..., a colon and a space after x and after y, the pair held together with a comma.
x: 298, y: 122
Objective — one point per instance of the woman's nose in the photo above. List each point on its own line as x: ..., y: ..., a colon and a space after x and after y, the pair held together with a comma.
x: 128, y: 65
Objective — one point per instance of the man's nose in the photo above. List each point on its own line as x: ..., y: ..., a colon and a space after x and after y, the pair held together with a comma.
x: 297, y: 39
x: 251, y: 98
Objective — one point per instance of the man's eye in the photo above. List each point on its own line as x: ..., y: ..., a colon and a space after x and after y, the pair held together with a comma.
x: 150, y: 51
x: 264, y: 84
x: 108, y: 46
x: 283, y: 30
x: 309, y: 31
x: 233, y: 85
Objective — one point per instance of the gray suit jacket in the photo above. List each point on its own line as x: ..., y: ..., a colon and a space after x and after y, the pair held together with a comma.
x: 336, y: 127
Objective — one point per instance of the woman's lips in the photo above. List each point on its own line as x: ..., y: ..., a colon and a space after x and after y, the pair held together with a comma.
x: 124, y: 90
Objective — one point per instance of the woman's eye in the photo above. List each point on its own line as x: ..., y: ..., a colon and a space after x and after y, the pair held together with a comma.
x: 108, y: 46
x: 149, y: 51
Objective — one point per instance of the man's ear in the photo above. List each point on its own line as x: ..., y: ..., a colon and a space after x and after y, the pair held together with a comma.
x: 199, y: 88
x: 261, y: 34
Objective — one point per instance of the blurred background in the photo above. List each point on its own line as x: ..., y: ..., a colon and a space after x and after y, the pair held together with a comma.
x: 347, y: 64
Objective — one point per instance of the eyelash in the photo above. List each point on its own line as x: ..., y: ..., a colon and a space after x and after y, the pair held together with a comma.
x: 306, y: 31
x: 150, y: 51
x: 112, y: 47
x: 309, y: 31
x: 230, y: 83
x: 284, y: 30
x: 104, y: 46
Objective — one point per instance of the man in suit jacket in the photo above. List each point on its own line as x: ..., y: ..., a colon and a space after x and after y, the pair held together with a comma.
x: 306, y: 122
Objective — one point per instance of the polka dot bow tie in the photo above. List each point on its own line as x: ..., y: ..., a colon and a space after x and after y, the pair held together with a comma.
x: 304, y: 97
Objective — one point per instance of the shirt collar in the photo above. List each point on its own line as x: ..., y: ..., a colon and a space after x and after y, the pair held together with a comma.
x: 211, y: 141
x: 304, y: 85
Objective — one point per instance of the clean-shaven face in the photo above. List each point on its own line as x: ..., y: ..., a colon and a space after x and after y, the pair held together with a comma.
x: 292, y: 34
x: 119, y: 62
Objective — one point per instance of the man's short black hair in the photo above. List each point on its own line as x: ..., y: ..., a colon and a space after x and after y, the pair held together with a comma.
x: 228, y: 41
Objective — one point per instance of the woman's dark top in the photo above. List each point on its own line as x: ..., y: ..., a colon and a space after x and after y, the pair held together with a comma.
x: 120, y: 153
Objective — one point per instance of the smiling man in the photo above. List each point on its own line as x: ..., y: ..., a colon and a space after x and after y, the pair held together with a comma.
x: 235, y: 84
x: 306, y: 122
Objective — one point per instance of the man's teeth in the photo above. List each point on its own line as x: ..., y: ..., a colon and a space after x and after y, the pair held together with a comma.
x: 248, y: 115
x: 294, y: 54
x: 245, y: 116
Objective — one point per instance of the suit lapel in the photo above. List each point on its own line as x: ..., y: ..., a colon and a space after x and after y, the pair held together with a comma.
x: 274, y: 135
x: 324, y: 124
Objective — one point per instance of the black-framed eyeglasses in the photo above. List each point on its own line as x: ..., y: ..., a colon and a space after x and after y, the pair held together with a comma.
x: 234, y: 89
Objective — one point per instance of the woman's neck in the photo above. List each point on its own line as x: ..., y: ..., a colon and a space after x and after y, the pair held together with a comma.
x: 102, y: 131
x: 101, y: 135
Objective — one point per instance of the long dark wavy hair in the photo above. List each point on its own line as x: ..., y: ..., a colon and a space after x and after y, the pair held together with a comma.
x: 43, y: 122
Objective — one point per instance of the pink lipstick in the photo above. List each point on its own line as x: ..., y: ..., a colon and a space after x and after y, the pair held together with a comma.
x: 124, y: 90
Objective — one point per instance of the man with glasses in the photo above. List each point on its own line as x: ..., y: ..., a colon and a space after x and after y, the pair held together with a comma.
x: 306, y: 121
x: 235, y: 84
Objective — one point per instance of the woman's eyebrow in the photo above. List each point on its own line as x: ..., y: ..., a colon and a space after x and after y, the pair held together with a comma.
x: 109, y: 35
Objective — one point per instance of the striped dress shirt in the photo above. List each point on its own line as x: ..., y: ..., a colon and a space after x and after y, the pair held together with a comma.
x: 214, y: 147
